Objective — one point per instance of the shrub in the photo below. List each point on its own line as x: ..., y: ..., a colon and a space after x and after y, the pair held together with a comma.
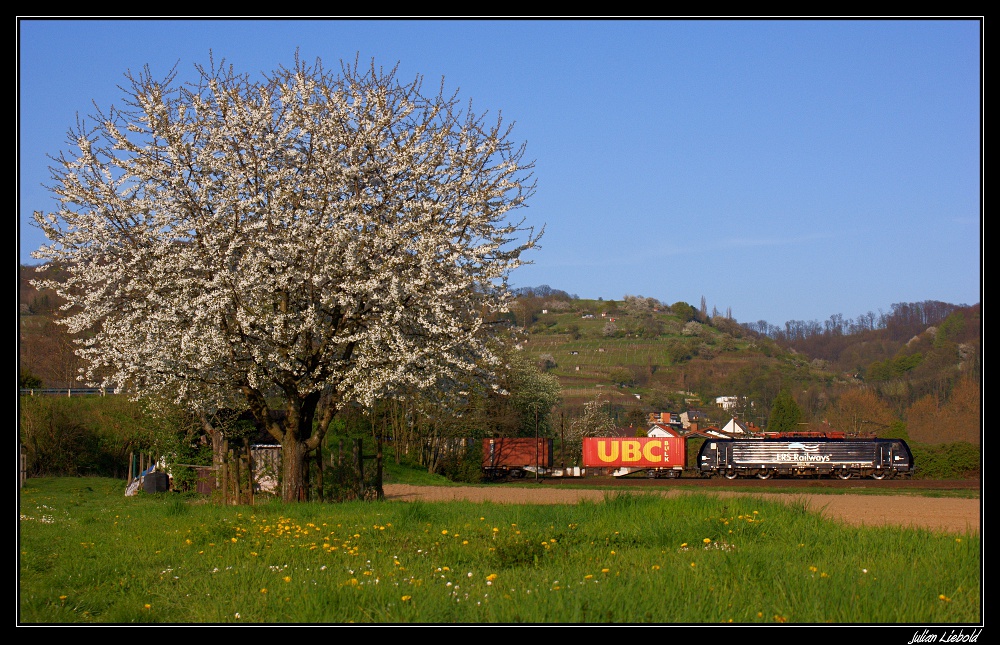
x: 958, y: 460
x: 465, y: 467
x: 83, y: 435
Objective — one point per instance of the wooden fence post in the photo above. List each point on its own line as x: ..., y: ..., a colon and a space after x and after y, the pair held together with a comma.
x: 359, y: 452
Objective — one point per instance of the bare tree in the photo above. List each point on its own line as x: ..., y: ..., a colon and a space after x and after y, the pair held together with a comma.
x: 312, y: 238
x: 594, y: 422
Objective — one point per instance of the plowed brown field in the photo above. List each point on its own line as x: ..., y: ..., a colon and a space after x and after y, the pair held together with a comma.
x: 950, y: 515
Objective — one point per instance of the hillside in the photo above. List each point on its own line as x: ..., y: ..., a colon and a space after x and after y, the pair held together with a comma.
x: 922, y: 361
x: 648, y: 357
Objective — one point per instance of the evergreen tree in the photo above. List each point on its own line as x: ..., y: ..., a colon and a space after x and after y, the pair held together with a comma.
x: 785, y: 413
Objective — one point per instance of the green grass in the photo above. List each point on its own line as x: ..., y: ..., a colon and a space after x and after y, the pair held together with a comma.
x: 87, y: 554
x: 411, y: 474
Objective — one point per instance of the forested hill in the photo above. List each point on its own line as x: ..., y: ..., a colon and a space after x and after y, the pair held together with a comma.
x: 845, y: 344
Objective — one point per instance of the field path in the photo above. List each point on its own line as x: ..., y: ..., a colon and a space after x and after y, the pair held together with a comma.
x: 945, y: 514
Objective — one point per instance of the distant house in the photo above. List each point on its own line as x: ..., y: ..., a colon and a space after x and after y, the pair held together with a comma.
x: 664, y: 417
x: 664, y: 424
x: 662, y: 430
x: 726, y: 402
x: 691, y: 417
x: 736, y: 428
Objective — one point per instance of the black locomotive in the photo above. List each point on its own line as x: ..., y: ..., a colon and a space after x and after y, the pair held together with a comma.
x: 803, y: 457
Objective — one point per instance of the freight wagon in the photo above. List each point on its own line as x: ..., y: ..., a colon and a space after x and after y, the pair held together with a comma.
x: 842, y: 458
x: 657, y: 456
x: 515, y: 457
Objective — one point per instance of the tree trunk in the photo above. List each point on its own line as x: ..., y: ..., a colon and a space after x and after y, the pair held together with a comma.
x: 218, y: 449
x: 293, y: 459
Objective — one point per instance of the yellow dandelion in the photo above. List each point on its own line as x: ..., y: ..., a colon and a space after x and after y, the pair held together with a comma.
x: 588, y: 576
x: 813, y: 569
x: 148, y: 606
x: 707, y: 540
x: 656, y: 567
x: 823, y: 575
x: 63, y: 597
x: 264, y: 590
x: 692, y: 564
x: 233, y: 540
x: 406, y: 598
x: 605, y: 570
x: 684, y: 545
x: 491, y: 577
x: 288, y: 578
x: 944, y: 598
x: 444, y: 532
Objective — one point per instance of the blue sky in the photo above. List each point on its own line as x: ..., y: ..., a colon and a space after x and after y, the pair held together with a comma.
x: 783, y: 170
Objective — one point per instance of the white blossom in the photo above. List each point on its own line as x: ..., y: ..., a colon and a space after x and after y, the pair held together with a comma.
x: 310, y: 233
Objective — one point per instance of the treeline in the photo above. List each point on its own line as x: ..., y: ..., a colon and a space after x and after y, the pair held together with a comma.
x: 903, y: 321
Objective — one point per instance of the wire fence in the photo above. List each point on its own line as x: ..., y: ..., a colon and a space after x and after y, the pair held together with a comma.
x: 82, y: 391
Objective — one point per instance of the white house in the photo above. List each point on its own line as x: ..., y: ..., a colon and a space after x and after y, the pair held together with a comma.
x: 726, y: 402
x: 662, y: 430
x: 735, y: 427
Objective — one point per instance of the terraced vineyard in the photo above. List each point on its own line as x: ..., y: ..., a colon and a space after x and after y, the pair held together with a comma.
x: 642, y: 354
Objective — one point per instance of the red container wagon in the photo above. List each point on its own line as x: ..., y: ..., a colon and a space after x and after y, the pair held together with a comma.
x: 658, y: 456
x: 516, y: 456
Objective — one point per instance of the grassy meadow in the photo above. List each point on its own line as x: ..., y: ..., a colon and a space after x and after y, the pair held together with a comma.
x: 87, y: 554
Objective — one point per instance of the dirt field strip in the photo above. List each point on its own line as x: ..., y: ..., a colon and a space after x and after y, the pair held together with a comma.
x: 949, y: 515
